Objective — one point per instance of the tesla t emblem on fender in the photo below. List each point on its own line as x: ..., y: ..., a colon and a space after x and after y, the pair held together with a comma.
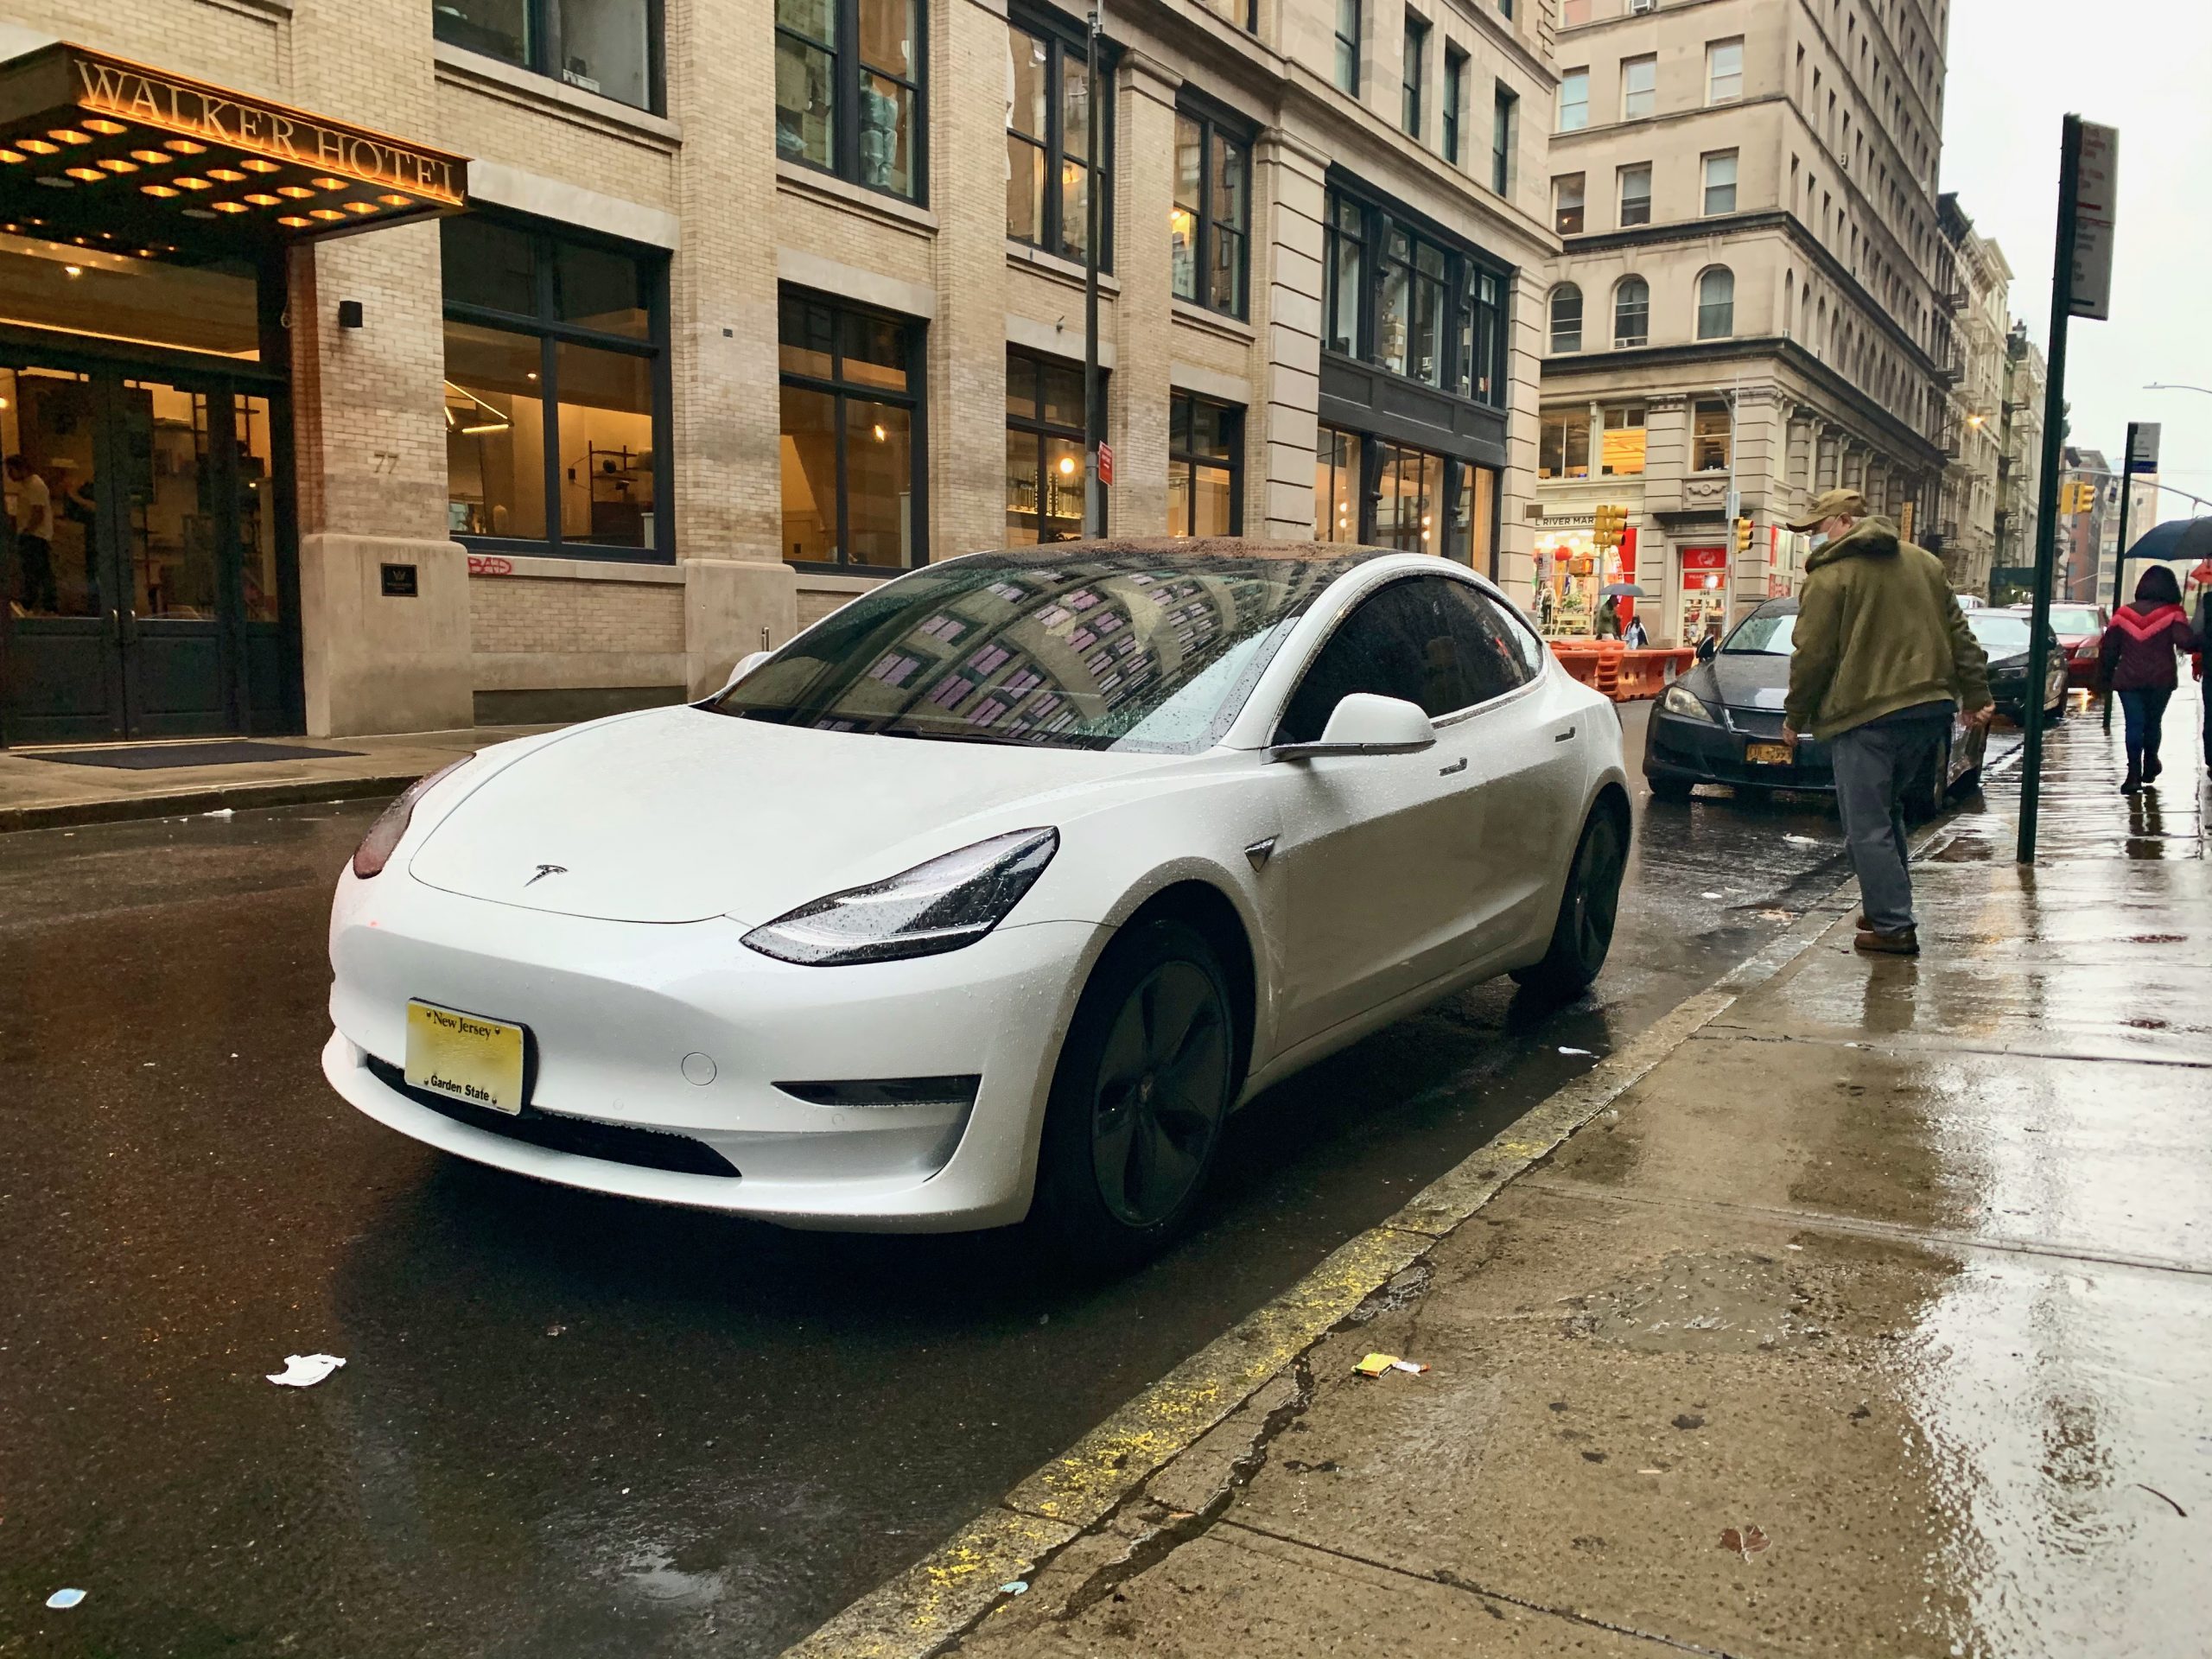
x: 545, y: 870
x: 1260, y: 851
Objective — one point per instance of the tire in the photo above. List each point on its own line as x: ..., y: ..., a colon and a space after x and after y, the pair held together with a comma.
x: 1583, y: 932
x: 1668, y: 788
x: 1143, y: 1085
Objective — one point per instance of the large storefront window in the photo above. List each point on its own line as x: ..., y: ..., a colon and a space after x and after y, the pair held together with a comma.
x: 1424, y: 309
x: 553, y: 409
x: 1044, y: 450
x: 1205, y: 474
x: 1336, y: 487
x: 1410, y: 494
x: 851, y: 435
x: 608, y: 47
x: 1374, y: 493
x: 1048, y: 136
x: 848, y: 90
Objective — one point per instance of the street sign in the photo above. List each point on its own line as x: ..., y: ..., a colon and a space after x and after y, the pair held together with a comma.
x: 1105, y: 463
x: 1735, y: 507
x: 2143, y: 456
x: 2096, y: 207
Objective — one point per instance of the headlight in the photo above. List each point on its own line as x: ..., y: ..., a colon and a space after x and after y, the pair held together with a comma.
x: 375, y: 849
x: 940, y: 906
x: 1680, y: 700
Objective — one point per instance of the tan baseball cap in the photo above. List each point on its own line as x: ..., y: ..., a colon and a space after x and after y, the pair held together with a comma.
x: 1832, y: 504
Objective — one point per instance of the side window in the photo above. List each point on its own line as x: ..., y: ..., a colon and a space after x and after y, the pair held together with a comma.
x: 1495, y: 651
x: 1399, y: 643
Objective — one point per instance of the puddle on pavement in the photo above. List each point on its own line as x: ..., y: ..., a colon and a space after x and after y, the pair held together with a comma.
x: 1702, y: 1303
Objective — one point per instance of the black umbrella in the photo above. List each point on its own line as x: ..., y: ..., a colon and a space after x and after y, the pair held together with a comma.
x: 2178, y: 539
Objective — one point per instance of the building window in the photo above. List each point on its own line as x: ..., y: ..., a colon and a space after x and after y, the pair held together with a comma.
x: 1567, y: 318
x: 555, y: 411
x: 1716, y: 303
x: 1455, y: 98
x: 1636, y: 195
x: 609, y: 46
x: 1632, y: 312
x: 1046, y: 136
x: 1409, y: 312
x: 1621, y: 450
x: 1720, y: 183
x: 1204, y: 467
x: 1209, y: 227
x: 1044, y: 450
x: 1348, y: 21
x: 1563, y: 443
x: 1481, y: 373
x: 1639, y: 87
x: 1336, y: 486
x: 1567, y: 204
x: 1709, y: 437
x: 1411, y: 68
x: 1420, y: 307
x: 1574, y: 100
x: 851, y: 435
x: 1343, y: 274
x: 848, y: 90
x: 1724, y: 72
x: 1409, y: 498
x: 1505, y: 119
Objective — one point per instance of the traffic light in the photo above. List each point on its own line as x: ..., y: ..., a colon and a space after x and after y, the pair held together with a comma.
x: 1744, y: 534
x: 1608, y: 526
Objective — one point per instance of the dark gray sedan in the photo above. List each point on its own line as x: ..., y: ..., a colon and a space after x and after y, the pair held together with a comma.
x: 1721, y: 723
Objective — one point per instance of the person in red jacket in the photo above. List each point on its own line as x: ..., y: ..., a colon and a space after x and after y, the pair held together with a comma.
x: 2137, y: 662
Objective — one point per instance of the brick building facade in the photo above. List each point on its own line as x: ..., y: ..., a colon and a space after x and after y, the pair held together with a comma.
x: 744, y: 309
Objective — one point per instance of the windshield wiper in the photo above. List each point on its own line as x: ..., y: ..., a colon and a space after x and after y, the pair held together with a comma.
x: 939, y: 736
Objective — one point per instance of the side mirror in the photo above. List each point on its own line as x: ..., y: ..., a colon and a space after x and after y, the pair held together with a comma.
x: 1365, y: 723
x: 745, y: 664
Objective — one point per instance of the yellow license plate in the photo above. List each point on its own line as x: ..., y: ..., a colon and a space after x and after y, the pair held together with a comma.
x: 1767, y: 754
x: 464, y: 1057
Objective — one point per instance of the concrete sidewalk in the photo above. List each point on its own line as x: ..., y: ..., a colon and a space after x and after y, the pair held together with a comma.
x: 1875, y: 1318
x: 36, y: 794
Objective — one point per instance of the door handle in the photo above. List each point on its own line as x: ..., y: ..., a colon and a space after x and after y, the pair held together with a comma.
x: 1563, y: 737
x: 1460, y: 765
x: 126, y: 625
x: 115, y: 626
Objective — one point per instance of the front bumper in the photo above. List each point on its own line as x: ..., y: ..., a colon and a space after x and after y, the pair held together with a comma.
x: 615, y: 1010
x: 1703, y: 751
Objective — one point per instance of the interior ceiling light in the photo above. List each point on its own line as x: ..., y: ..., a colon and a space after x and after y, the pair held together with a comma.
x: 89, y: 175
x: 326, y: 183
x: 69, y: 134
x: 262, y: 199
x: 297, y: 192
x: 229, y: 207
x: 255, y: 164
x: 152, y: 157
x: 396, y: 202
x: 227, y: 174
x: 327, y: 213
x: 186, y: 181
x: 294, y: 221
x: 74, y: 270
x: 185, y: 146
x: 11, y: 156
x: 360, y: 207
x: 115, y: 164
x: 101, y: 124
x: 161, y: 190
x: 40, y: 147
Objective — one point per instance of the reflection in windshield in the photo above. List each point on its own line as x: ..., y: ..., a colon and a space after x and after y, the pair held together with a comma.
x: 2000, y: 635
x: 1763, y: 636
x: 1140, y: 650
x: 2073, y: 619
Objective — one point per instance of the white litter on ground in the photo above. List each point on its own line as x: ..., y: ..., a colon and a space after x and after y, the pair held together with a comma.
x: 1565, y: 1049
x: 221, y: 812
x: 64, y: 1599
x: 1800, y: 841
x: 305, y: 1370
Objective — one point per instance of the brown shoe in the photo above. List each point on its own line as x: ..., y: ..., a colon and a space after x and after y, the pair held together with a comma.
x: 1905, y: 942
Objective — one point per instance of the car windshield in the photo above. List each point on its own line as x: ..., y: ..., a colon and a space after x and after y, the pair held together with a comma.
x: 1147, y: 650
x: 1763, y: 635
x: 2073, y: 618
x: 2000, y: 635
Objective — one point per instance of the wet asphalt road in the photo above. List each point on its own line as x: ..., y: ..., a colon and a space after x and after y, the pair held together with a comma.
x: 570, y: 1425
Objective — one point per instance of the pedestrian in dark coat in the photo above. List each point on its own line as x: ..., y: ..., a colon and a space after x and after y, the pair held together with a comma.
x: 2135, y: 662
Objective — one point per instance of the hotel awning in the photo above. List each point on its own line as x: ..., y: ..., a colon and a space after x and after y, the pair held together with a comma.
x: 104, y: 152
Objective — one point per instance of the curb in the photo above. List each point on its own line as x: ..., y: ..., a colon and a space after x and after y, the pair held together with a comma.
x: 946, y: 1594
x: 65, y: 814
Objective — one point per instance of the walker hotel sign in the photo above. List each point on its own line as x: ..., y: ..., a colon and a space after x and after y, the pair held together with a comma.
x: 214, y: 116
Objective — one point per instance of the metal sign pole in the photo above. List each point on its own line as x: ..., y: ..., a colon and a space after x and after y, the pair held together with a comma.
x: 1094, y: 422
x: 2054, y: 457
x: 2119, y: 547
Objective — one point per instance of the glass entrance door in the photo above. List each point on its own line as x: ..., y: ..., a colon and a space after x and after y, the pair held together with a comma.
x: 125, y: 588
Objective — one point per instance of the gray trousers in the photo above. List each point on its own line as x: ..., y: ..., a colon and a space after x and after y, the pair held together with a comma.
x: 1875, y: 765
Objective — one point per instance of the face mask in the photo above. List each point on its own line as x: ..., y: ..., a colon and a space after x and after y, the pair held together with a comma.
x: 1819, y: 540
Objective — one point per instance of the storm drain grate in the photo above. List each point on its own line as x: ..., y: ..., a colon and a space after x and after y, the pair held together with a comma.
x: 584, y: 1137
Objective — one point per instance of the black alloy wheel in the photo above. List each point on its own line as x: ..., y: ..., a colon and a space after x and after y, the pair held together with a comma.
x: 1144, y: 1082
x: 1587, y: 910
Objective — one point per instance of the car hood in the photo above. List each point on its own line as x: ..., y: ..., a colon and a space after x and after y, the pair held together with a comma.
x: 681, y: 815
x: 1742, y: 680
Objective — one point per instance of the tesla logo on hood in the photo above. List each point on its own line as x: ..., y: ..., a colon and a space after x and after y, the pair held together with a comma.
x: 545, y: 870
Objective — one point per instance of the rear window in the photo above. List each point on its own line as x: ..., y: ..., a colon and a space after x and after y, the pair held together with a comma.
x: 2073, y: 618
x: 1998, y: 633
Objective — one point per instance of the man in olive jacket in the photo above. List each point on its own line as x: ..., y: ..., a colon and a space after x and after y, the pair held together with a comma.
x: 1882, y: 661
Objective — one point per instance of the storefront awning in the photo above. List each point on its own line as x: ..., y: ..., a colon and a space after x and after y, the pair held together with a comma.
x: 103, y: 152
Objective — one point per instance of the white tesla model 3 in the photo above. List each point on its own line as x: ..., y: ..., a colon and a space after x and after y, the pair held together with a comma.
x: 997, y: 889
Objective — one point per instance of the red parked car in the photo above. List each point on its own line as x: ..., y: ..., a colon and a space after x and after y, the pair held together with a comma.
x: 2080, y: 631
